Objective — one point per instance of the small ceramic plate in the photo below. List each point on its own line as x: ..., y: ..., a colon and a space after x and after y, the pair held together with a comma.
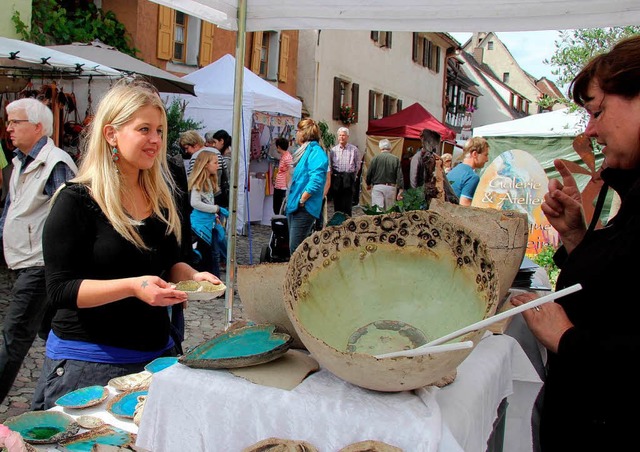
x: 83, y: 397
x: 240, y: 347
x: 197, y: 291
x: 159, y: 364
x: 43, y: 427
x: 89, y: 422
x: 107, y: 435
x: 127, y: 382
x: 124, y: 405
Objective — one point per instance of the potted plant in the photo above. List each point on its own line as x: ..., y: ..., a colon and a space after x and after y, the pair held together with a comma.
x: 347, y: 114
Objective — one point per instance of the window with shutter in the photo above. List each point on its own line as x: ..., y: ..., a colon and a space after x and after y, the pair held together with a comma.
x: 414, y: 48
x: 165, y: 33
x: 284, y: 58
x: 256, y: 52
x: 205, y: 55
x: 180, y: 36
x: 337, y: 98
x: 355, y: 98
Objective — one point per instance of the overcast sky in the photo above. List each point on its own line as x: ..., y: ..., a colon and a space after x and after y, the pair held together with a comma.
x: 529, y: 48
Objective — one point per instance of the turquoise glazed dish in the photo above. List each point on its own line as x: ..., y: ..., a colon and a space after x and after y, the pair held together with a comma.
x: 43, y: 427
x: 124, y: 405
x: 106, y: 435
x: 159, y: 364
x: 83, y: 397
x: 239, y: 347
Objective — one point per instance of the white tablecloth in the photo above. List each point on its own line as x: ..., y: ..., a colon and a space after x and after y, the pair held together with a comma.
x: 213, y: 410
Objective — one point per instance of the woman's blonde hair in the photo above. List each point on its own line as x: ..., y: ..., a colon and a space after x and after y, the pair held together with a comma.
x: 309, y: 130
x: 99, y: 172
x: 200, y: 178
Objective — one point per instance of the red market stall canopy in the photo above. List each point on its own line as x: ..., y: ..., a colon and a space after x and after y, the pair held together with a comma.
x: 409, y: 123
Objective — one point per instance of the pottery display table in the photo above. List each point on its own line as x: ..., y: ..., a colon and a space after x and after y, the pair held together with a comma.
x: 213, y: 410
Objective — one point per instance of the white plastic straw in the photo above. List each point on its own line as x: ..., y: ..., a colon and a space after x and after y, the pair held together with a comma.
x: 428, y: 350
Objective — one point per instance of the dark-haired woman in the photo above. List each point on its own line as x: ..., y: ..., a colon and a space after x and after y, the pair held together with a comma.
x: 592, y: 336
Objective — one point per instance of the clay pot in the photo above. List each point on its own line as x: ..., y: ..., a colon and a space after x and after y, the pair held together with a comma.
x: 260, y: 291
x: 377, y: 284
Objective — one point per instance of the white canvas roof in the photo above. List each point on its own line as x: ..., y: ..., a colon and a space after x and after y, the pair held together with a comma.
x: 553, y: 124
x: 414, y: 15
x: 214, y: 86
x: 19, y: 57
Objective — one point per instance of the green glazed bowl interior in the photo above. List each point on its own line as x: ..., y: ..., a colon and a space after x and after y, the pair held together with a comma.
x: 379, y: 284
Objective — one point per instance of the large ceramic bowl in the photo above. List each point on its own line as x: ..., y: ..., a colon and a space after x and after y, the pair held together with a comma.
x: 504, y: 232
x: 377, y: 284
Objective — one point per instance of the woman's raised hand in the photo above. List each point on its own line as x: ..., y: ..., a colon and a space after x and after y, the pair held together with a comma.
x: 563, y: 207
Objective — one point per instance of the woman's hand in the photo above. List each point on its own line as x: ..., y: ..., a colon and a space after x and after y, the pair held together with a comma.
x: 563, y: 208
x: 206, y: 276
x: 547, y: 322
x: 154, y: 291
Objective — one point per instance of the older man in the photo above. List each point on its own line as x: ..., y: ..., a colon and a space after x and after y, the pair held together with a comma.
x: 344, y: 163
x: 39, y: 168
x: 384, y: 177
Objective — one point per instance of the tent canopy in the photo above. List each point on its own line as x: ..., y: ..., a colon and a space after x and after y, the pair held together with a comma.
x: 25, y: 60
x: 412, y: 15
x: 409, y: 123
x: 546, y: 136
x: 213, y: 106
x: 552, y: 124
x: 164, y: 81
x: 214, y: 86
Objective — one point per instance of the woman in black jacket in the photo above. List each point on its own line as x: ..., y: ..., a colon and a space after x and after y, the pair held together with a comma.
x: 592, y: 336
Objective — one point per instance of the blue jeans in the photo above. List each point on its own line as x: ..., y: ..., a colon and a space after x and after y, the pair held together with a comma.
x: 21, y: 324
x: 301, y: 226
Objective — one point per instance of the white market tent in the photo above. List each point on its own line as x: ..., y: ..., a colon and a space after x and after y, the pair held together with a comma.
x: 546, y: 136
x: 399, y: 15
x: 213, y: 106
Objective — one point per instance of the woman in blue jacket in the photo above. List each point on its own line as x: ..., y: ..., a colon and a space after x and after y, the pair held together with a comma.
x: 306, y: 191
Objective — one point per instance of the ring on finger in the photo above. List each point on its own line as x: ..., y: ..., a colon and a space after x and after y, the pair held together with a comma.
x: 537, y: 308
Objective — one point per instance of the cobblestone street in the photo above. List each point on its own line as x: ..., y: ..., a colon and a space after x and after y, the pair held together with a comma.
x: 204, y: 319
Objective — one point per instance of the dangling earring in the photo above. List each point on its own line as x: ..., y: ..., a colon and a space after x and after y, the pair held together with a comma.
x: 114, y: 155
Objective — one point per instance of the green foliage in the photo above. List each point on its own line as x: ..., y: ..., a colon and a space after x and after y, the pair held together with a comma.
x: 576, y: 47
x: 545, y: 260
x: 177, y: 124
x: 328, y: 138
x: 412, y: 199
x: 53, y: 24
x: 547, y: 101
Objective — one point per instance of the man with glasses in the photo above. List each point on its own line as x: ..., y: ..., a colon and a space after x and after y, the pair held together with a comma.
x: 39, y: 168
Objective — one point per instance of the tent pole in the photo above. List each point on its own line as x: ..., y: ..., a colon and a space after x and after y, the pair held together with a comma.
x: 236, y: 148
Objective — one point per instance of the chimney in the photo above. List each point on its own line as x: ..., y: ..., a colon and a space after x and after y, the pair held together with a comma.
x: 478, y: 54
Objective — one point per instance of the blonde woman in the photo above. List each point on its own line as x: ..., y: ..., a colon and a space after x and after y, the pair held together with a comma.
x: 304, y: 202
x: 203, y: 185
x: 111, y: 249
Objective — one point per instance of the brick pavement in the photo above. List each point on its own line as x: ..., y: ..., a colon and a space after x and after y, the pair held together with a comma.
x: 204, y: 319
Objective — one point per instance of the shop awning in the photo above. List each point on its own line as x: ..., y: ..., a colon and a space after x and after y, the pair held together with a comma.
x: 24, y: 60
x: 164, y: 81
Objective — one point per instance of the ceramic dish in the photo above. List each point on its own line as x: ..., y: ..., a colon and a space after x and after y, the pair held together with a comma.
x: 128, y: 382
x: 201, y: 290
x: 43, y: 427
x: 159, y: 364
x: 107, y: 435
x: 240, y: 347
x: 83, y: 397
x: 89, y: 422
x: 124, y: 405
